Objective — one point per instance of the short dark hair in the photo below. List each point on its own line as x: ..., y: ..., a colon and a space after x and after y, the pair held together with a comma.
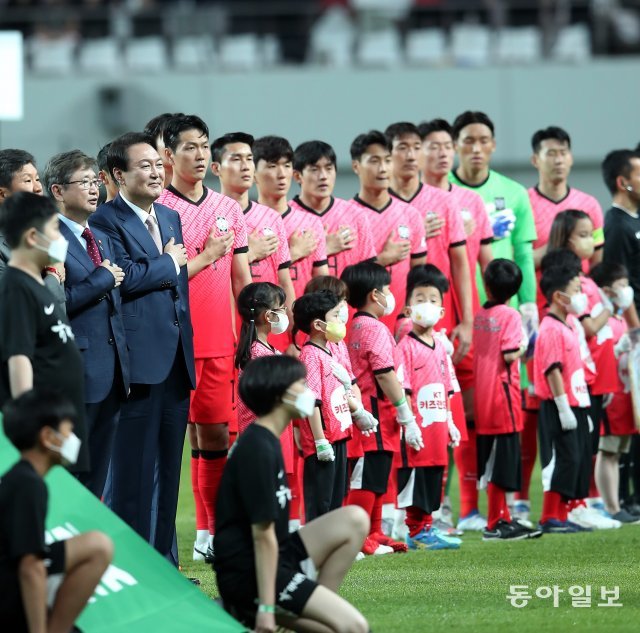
x: 265, y: 380
x: 101, y: 158
x: 11, y: 162
x: 328, y: 282
x: 469, y: 118
x: 549, y: 133
x: 22, y: 211
x: 562, y: 257
x: 363, y: 141
x: 60, y: 168
x: 219, y: 145
x: 361, y: 279
x: 118, y: 152
x: 398, y: 130
x: 556, y: 278
x: 607, y: 273
x: 310, y: 152
x: 156, y: 126
x: 28, y: 414
x: 426, y: 275
x: 174, y: 126
x: 272, y: 149
x: 310, y: 307
x: 503, y: 279
x: 435, y: 125
x: 617, y: 163
x: 563, y: 226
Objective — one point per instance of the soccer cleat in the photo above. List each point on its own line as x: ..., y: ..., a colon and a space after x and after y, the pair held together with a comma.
x: 360, y: 556
x: 632, y: 508
x: 447, y: 528
x: 371, y: 547
x: 199, y: 551
x: 521, y: 510
x: 474, y: 521
x: 626, y: 517
x: 383, y: 539
x: 520, y: 527
x: 431, y: 540
x: 590, y: 518
x: 504, y: 531
x: 554, y: 526
x: 209, y: 556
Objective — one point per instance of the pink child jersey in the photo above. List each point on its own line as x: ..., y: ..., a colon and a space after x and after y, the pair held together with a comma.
x: 497, y: 330
x: 342, y: 213
x: 246, y: 416
x: 331, y: 398
x: 301, y: 271
x: 266, y: 221
x: 558, y: 346
x: 210, y: 289
x: 401, y: 221
x: 372, y: 351
x: 425, y: 374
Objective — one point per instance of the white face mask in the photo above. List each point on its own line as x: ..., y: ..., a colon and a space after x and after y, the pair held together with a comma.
x: 578, y: 304
x: 623, y: 297
x: 57, y: 249
x: 281, y: 325
x: 390, y: 306
x: 425, y: 314
x: 70, y: 448
x: 304, y: 402
x: 343, y: 313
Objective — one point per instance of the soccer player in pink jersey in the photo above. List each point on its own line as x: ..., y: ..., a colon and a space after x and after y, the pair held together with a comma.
x: 232, y: 162
x: 348, y: 233
x: 273, y: 157
x: 215, y: 235
x: 446, y: 240
x: 396, y: 227
x: 155, y: 129
x: 553, y: 160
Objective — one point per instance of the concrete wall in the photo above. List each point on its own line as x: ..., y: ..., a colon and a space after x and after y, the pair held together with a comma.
x: 597, y: 103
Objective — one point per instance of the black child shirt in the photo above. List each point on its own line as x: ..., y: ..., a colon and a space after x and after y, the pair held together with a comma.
x: 253, y: 490
x: 32, y: 324
x: 23, y: 509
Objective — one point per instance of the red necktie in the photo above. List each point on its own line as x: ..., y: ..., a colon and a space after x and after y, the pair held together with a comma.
x: 92, y: 247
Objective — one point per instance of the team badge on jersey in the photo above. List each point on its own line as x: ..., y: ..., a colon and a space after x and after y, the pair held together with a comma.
x: 222, y: 224
x: 403, y: 232
x: 500, y: 204
x: 267, y: 230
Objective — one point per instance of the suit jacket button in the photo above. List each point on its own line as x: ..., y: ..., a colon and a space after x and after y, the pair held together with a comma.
x: 176, y: 323
x: 110, y: 341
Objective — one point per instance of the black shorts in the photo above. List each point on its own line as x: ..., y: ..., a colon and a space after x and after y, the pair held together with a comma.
x: 565, y: 456
x: 499, y: 461
x: 420, y: 487
x: 372, y: 471
x: 295, y: 582
x: 325, y: 483
x: 596, y: 411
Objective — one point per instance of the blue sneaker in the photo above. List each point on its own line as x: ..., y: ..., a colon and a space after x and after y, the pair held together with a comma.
x: 553, y: 526
x: 431, y: 540
x: 452, y: 539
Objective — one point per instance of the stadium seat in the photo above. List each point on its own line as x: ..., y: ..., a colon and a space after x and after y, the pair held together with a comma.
x: 240, y: 52
x: 426, y: 47
x: 380, y: 49
x: 271, y: 52
x: 396, y: 10
x: 147, y: 53
x: 193, y: 52
x: 573, y: 44
x: 471, y: 44
x: 103, y: 54
x: 518, y: 45
x: 53, y: 56
x: 332, y: 39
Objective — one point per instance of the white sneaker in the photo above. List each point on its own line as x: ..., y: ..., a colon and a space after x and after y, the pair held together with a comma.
x: 521, y: 510
x: 199, y: 550
x: 589, y: 518
x: 360, y: 556
x: 383, y: 549
x: 474, y: 522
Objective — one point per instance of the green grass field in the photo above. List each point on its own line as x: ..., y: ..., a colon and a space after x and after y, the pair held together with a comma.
x: 466, y: 590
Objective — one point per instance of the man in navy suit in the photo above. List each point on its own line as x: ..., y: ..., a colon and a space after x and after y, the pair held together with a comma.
x: 147, y: 242
x: 93, y: 305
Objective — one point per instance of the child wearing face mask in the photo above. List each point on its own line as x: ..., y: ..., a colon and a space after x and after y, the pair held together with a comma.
x: 559, y: 380
x: 423, y: 366
x: 327, y: 425
x: 500, y: 340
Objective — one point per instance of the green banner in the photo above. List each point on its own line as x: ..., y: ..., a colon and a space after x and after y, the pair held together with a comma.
x: 140, y: 591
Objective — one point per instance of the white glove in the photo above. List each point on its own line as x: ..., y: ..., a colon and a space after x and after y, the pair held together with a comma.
x: 530, y: 318
x: 444, y: 339
x: 324, y: 451
x: 590, y: 421
x: 342, y: 375
x: 365, y: 421
x: 606, y: 302
x: 454, y: 434
x: 502, y: 223
x: 567, y: 417
x: 623, y: 346
x: 403, y: 413
x: 413, y: 435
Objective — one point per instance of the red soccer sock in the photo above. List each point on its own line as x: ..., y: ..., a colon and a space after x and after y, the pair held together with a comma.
x: 209, y: 474
x: 529, y: 449
x: 467, y: 464
x: 363, y: 498
x: 497, y: 505
x: 553, y: 507
x: 506, y: 515
x: 298, y: 465
x: 201, y: 512
x: 416, y: 520
x: 376, y: 515
x: 294, y: 486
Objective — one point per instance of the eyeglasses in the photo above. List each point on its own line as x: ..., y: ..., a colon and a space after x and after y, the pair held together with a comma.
x: 86, y: 184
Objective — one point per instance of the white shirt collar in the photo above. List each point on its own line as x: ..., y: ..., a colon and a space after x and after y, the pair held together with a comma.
x: 141, y: 213
x: 627, y: 211
x: 74, y: 227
